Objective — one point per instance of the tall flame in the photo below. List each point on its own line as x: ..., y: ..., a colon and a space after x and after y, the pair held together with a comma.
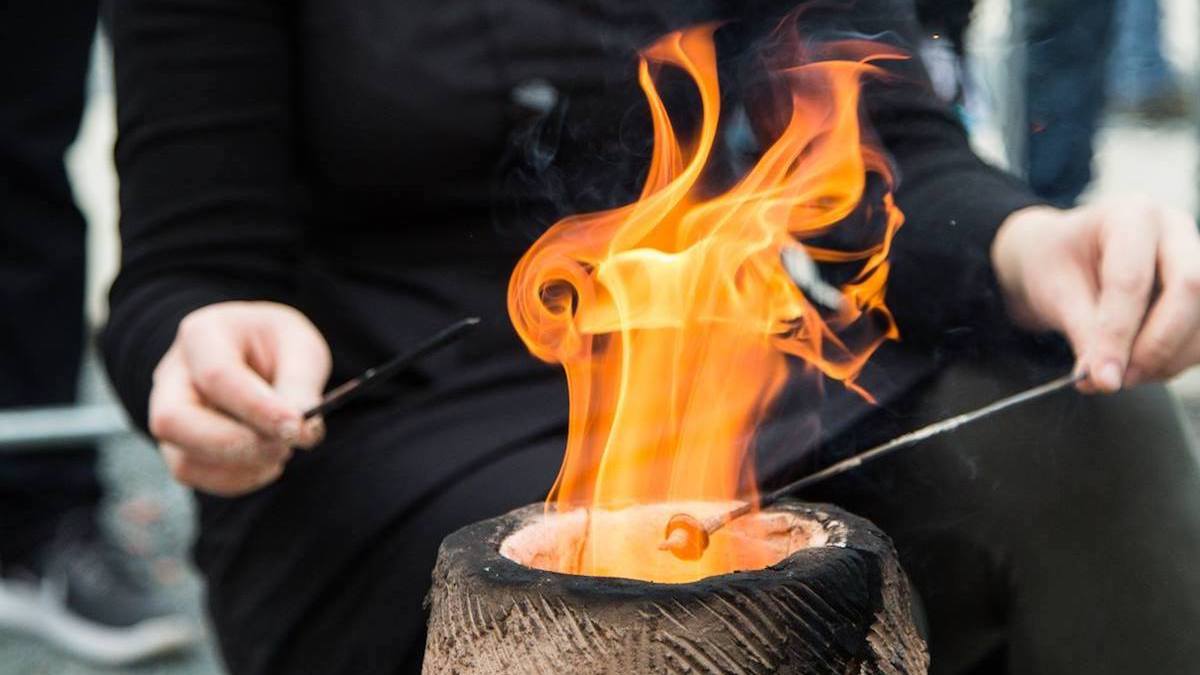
x: 672, y: 315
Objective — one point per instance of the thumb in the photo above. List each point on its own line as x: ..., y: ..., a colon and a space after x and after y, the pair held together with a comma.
x: 1074, y: 304
x: 1126, y: 275
x: 302, y: 365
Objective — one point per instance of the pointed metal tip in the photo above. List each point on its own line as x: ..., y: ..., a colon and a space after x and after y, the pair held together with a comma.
x: 685, y: 537
x: 803, y: 272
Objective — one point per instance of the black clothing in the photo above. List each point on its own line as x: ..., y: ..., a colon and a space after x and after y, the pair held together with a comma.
x: 1052, y: 539
x: 44, y: 55
x: 380, y: 166
x: 364, y: 139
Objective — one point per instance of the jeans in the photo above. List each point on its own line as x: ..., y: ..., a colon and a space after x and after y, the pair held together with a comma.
x: 1137, y: 70
x: 1067, y: 43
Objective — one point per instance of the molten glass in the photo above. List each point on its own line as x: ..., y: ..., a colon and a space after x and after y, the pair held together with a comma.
x: 673, y: 316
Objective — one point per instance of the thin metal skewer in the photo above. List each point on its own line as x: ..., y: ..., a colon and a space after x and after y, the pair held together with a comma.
x: 804, y: 273
x: 350, y: 390
x: 687, y: 536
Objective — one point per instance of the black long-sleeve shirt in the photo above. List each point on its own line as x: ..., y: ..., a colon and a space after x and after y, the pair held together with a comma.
x: 381, y: 165
x: 261, y: 139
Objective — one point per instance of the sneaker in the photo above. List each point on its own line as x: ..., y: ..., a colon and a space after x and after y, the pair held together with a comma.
x: 84, y: 598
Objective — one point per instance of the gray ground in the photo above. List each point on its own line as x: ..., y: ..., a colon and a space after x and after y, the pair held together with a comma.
x: 153, y: 516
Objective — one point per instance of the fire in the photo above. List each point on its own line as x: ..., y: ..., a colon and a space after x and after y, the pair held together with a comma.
x: 672, y: 316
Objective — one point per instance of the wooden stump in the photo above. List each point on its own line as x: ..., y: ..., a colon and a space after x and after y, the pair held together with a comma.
x: 840, y: 605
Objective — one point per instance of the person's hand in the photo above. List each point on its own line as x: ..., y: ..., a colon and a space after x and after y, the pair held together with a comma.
x: 228, y: 395
x: 1121, y: 280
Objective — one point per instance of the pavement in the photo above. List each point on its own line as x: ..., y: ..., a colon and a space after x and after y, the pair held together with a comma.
x: 153, y: 516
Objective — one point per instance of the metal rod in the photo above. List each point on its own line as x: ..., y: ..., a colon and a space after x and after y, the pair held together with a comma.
x: 804, y: 273
x: 682, y: 531
x: 373, y: 377
x: 926, y: 432
x: 28, y: 428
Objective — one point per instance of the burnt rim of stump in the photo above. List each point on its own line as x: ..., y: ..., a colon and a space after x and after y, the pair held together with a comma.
x: 479, y: 551
x: 839, y: 602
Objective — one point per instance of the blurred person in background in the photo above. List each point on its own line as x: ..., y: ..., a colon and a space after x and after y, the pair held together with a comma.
x: 61, y: 578
x: 1077, y: 52
x: 1080, y: 55
x: 1141, y: 80
x: 307, y: 188
x: 943, y: 46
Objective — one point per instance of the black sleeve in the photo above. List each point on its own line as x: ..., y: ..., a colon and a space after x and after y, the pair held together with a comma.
x: 210, y: 205
x: 941, y: 279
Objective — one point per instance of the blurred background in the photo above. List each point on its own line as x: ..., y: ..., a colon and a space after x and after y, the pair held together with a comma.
x: 1148, y: 142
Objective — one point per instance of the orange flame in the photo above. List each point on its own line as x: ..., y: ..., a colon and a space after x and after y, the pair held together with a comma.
x: 672, y: 315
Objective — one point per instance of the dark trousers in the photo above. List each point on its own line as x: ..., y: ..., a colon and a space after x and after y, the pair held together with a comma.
x: 44, y: 53
x: 1055, y: 538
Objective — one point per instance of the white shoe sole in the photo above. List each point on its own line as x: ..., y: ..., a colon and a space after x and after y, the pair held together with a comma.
x: 26, y: 609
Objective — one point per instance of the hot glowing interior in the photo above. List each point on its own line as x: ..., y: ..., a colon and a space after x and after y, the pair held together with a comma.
x: 555, y: 541
x: 673, y: 316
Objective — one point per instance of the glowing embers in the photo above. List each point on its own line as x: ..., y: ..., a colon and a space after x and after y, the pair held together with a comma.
x: 559, y: 542
x: 673, y: 316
